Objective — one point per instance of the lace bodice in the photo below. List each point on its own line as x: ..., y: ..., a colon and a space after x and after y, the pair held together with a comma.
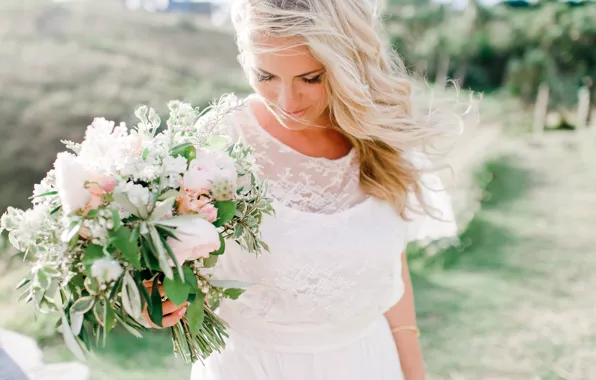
x: 335, y: 261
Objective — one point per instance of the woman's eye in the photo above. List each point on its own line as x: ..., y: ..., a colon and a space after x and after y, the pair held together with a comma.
x: 313, y: 80
x: 264, y: 78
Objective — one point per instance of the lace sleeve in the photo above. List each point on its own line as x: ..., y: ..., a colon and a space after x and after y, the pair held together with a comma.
x: 422, y: 227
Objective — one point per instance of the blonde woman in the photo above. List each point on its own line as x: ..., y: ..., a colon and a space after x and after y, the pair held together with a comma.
x: 332, y: 124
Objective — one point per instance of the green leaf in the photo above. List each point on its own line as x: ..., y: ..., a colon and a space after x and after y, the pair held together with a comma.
x: 222, y: 247
x: 176, y: 290
x: 155, y: 309
x: 108, y: 197
x: 91, y: 285
x: 145, y: 154
x: 149, y: 259
x: 22, y: 283
x: 186, y: 150
x: 128, y: 328
x: 41, y: 279
x: 195, y: 314
x: 92, y: 253
x: 190, y: 279
x: 234, y: 293
x: 218, y: 142
x: 45, y: 194
x: 169, y: 194
x: 82, y: 305
x: 92, y: 213
x: 162, y: 255
x: 211, y: 261
x: 130, y: 250
x: 116, y: 219
x: 225, y: 212
x: 136, y: 232
x: 55, y: 210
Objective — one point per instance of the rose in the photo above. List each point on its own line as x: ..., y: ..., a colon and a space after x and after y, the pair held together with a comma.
x: 196, y: 239
x: 190, y: 201
x: 106, y: 270
x: 71, y: 178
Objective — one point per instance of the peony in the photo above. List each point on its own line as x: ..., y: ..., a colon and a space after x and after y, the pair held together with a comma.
x: 197, y: 239
x: 106, y: 270
x: 211, y: 170
x: 70, y: 182
x: 209, y: 212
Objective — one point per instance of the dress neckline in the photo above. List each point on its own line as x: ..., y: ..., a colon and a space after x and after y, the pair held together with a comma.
x: 262, y: 131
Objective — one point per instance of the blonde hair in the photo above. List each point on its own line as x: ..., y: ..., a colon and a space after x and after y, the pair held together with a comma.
x: 370, y: 93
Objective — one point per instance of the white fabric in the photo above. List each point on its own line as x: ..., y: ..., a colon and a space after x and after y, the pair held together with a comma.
x: 315, y: 309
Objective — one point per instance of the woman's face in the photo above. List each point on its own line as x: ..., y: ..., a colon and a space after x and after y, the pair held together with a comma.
x: 290, y: 79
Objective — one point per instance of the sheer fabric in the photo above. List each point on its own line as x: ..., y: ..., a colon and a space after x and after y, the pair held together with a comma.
x: 315, y: 307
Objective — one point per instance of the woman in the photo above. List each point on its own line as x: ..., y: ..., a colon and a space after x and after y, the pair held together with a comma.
x: 331, y: 122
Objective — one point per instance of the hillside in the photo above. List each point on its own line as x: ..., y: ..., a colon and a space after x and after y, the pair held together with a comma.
x: 61, y: 64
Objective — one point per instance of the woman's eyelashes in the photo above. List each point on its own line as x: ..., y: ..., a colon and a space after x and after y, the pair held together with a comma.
x: 267, y: 78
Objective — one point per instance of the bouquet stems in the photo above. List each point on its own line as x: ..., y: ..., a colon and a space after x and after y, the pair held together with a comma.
x: 192, y: 347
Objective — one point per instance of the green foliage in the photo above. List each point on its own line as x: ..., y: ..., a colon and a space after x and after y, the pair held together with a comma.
x: 488, y: 47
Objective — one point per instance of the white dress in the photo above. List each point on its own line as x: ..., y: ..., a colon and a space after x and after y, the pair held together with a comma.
x: 315, y: 309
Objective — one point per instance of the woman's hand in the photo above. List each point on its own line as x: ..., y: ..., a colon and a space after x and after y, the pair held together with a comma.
x: 172, y: 313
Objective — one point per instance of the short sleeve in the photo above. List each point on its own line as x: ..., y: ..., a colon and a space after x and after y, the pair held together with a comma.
x: 438, y: 220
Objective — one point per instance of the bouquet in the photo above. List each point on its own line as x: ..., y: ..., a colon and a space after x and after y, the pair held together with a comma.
x: 150, y: 205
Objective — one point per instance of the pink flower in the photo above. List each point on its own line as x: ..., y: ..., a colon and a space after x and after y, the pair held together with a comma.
x: 101, y: 185
x: 209, y: 211
x: 190, y: 201
x: 195, y: 240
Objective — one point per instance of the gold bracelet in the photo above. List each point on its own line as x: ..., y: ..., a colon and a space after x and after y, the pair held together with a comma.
x: 406, y: 328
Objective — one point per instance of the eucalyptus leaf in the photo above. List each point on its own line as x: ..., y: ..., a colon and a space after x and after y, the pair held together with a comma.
x: 76, y: 323
x: 70, y: 340
x: 131, y: 298
x: 169, y: 194
x: 217, y: 142
x: 163, y: 209
x: 230, y: 284
x: 125, y: 203
x: 128, y: 327
x: 162, y: 255
x: 82, y: 305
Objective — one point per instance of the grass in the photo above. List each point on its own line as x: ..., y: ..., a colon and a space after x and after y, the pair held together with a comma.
x: 515, y: 301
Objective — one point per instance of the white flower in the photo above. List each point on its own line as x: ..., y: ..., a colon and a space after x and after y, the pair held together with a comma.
x: 106, y: 270
x: 137, y: 194
x: 197, y: 239
x: 70, y: 183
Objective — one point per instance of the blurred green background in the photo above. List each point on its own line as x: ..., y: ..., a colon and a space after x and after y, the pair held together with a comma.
x: 513, y: 300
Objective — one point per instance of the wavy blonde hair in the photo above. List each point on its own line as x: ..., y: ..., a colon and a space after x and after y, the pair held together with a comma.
x: 370, y: 92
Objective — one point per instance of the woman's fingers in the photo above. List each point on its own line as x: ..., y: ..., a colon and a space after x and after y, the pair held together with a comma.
x: 172, y: 319
x: 169, y: 307
x: 149, y: 286
x: 171, y: 314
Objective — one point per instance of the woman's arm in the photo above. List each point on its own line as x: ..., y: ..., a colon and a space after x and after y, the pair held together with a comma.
x: 403, y: 315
